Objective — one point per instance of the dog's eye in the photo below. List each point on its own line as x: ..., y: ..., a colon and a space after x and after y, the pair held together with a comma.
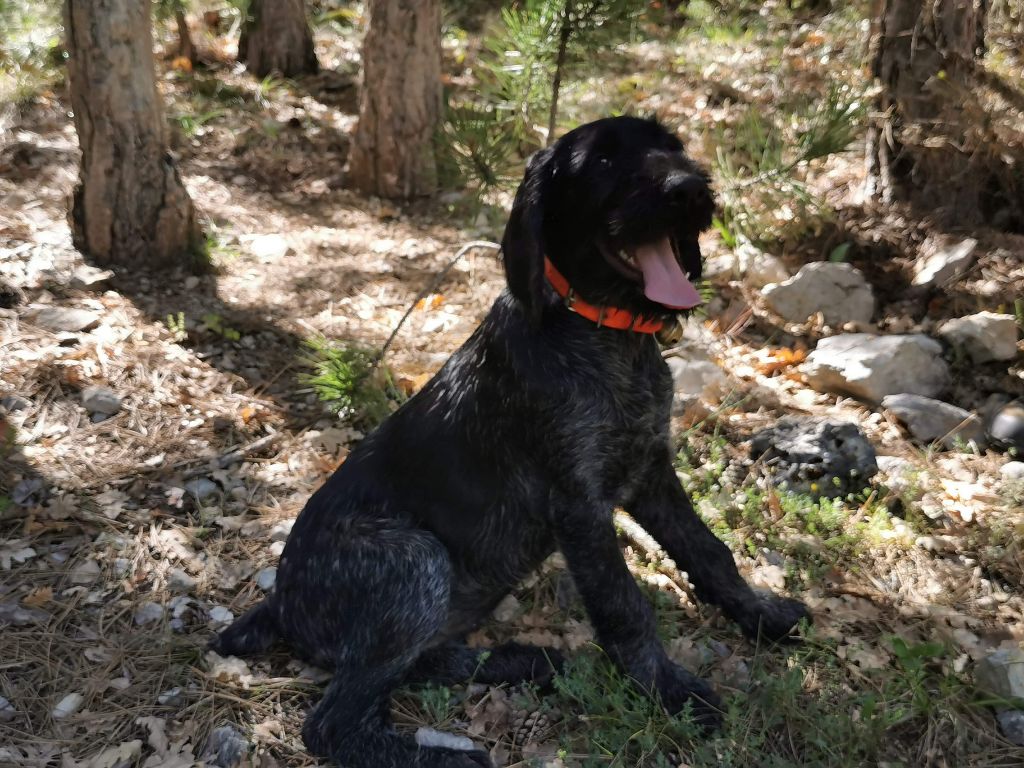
x: 604, y: 161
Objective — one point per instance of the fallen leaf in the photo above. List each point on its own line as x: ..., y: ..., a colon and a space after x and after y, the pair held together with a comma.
x: 38, y: 597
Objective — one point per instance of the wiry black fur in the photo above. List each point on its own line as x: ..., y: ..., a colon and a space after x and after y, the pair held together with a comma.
x: 526, y: 441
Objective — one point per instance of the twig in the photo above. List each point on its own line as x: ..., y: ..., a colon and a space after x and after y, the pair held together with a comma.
x: 433, y: 287
x: 236, y: 455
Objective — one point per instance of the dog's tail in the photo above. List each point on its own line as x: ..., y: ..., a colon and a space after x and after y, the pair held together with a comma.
x: 253, y: 631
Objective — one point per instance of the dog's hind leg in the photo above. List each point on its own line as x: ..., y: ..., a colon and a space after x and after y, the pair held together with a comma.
x: 252, y: 632
x: 664, y: 509
x: 510, y: 663
x: 367, y: 605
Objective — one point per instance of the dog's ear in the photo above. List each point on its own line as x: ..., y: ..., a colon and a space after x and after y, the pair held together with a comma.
x: 522, y: 246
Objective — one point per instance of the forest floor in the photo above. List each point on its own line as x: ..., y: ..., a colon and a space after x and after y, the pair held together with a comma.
x: 125, y: 543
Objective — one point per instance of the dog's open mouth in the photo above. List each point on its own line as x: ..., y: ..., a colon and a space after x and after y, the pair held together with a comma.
x: 656, y: 266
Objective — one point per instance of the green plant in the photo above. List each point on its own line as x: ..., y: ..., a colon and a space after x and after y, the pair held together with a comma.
x: 176, y: 325
x: 351, y: 380
x: 437, y: 703
x: 30, y: 48
x: 521, y: 70
x: 214, y: 323
x: 190, y: 124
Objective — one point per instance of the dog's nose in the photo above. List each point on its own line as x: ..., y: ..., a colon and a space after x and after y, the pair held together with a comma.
x: 685, y: 185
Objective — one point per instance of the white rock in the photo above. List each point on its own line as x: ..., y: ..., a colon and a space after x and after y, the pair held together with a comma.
x: 266, y: 578
x: 697, y: 376
x: 1002, y: 673
x: 7, y: 711
x: 101, y: 400
x: 170, y: 698
x: 871, y: 367
x: 148, y: 613
x: 66, y: 319
x: 838, y: 291
x: 984, y: 336
x: 281, y: 530
x: 1012, y: 471
x: 508, y: 609
x: 269, y: 247
x: 428, y: 737
x: 221, y: 615
x: 928, y: 419
x: 1007, y: 426
x: 943, y: 263
x: 178, y: 580
x: 67, y: 706
x: 201, y: 487
x: 748, y: 262
x: 276, y: 548
x: 85, y: 573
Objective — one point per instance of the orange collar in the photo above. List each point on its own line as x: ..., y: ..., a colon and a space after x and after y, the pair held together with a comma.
x: 612, y: 317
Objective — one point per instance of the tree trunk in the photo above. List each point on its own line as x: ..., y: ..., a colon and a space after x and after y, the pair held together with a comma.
x: 930, y: 145
x: 129, y: 207
x: 400, y: 103
x: 186, y: 48
x: 276, y: 38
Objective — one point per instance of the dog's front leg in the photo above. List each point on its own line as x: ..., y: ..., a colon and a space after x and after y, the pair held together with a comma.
x: 664, y: 509
x: 622, y: 617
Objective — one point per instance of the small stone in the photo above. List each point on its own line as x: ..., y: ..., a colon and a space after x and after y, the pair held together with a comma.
x: 269, y: 247
x: 86, y: 275
x: 1001, y: 673
x: 985, y: 336
x: 85, y: 573
x: 67, y: 706
x: 64, y: 319
x: 508, y: 609
x: 101, y: 400
x: 7, y: 711
x: 927, y: 420
x: 201, y: 488
x: 428, y: 737
x: 14, y: 403
x: 276, y: 548
x: 266, y: 578
x: 281, y: 530
x: 148, y: 612
x: 191, y: 283
x: 225, y: 748
x: 695, y: 376
x: 171, y: 698
x: 179, y: 580
x: 838, y: 291
x: 818, y: 457
x: 1012, y: 471
x: 1007, y: 427
x: 221, y: 615
x: 870, y: 367
x: 1011, y: 723
x: 943, y: 263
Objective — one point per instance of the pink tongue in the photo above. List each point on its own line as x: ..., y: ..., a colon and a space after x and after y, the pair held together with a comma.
x: 664, y: 281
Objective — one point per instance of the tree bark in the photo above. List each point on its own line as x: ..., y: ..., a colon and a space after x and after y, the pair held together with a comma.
x: 400, y: 104
x: 276, y: 38
x: 929, y: 147
x: 186, y: 48
x: 129, y: 207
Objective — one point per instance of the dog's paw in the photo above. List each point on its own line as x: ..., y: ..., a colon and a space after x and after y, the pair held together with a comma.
x: 678, y: 688
x: 772, y: 617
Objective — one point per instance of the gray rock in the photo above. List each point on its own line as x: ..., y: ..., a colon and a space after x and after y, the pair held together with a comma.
x: 225, y: 748
x: 838, y: 291
x: 696, y: 378
x: 1007, y: 427
x: 870, y: 367
x: 1001, y: 673
x: 7, y: 711
x: 818, y: 457
x: 927, y: 420
x: 179, y: 580
x: 66, y: 319
x: 201, y: 487
x: 101, y: 400
x: 943, y: 263
x: 86, y: 275
x: 149, y: 612
x: 984, y: 336
x: 1012, y: 471
x: 13, y: 403
x: 171, y: 698
x: 1011, y: 723
x: 266, y: 578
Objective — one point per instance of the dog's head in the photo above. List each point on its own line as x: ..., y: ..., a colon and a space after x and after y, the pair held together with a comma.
x: 617, y: 206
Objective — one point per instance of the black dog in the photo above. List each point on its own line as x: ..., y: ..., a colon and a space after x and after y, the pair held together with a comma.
x: 553, y: 413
